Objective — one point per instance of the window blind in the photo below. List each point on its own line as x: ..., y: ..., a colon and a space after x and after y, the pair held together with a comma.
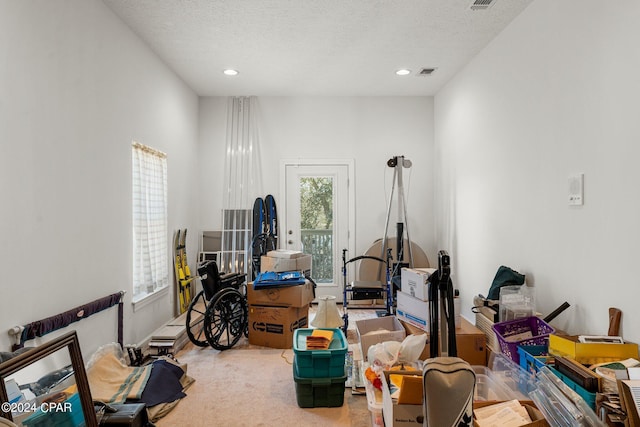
x: 150, y: 252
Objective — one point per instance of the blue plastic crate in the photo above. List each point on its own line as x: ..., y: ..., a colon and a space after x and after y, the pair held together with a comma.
x: 533, y: 357
x: 319, y: 363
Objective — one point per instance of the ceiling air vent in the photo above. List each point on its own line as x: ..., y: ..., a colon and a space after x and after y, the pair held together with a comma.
x: 426, y: 71
x: 481, y: 4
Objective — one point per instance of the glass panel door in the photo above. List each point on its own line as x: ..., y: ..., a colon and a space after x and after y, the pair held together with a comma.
x: 317, y: 219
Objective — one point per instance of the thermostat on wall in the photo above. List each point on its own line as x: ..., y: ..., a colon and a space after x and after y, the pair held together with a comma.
x: 576, y: 190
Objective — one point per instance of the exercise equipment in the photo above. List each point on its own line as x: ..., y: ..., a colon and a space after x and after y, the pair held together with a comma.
x: 259, y: 239
x: 183, y: 278
x: 265, y: 231
x: 398, y: 163
x: 271, y: 214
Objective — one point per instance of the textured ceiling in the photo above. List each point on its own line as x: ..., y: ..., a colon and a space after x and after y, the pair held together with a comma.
x: 315, y: 47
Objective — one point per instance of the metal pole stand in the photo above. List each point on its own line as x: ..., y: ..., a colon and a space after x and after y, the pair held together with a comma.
x: 398, y: 163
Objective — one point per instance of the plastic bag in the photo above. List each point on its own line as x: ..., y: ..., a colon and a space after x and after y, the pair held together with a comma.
x: 411, y: 348
x: 110, y: 348
x: 390, y: 353
x: 384, y: 354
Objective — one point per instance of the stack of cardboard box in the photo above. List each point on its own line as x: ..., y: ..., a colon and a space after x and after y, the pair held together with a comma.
x: 413, y: 311
x: 285, y: 260
x: 276, y: 312
x: 413, y: 298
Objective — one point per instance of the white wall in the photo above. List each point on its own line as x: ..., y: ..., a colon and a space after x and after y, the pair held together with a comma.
x: 77, y: 87
x: 553, y: 95
x: 369, y: 130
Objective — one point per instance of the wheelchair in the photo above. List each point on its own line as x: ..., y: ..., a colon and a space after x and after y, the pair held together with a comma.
x: 218, y: 315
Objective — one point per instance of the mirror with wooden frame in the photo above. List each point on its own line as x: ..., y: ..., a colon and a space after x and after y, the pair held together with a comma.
x: 47, y: 386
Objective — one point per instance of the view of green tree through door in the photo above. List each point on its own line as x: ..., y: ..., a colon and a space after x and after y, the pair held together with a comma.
x: 317, y: 216
x: 316, y: 225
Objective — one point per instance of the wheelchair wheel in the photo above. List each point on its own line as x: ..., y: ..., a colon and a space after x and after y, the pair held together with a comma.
x: 195, y: 320
x: 226, y: 319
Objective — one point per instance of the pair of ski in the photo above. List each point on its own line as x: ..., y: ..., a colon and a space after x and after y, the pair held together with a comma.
x: 265, y: 230
x: 182, y: 271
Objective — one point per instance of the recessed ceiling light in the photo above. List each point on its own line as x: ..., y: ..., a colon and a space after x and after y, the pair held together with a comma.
x: 403, y: 72
x: 231, y: 72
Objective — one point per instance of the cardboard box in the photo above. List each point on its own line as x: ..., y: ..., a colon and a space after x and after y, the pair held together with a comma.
x: 274, y: 326
x: 538, y: 420
x: 471, y: 342
x: 416, y: 311
x: 286, y: 296
x: 590, y: 353
x: 380, y: 329
x: 415, y: 282
x: 412, y: 310
x: 285, y: 253
x: 277, y: 264
x: 400, y: 415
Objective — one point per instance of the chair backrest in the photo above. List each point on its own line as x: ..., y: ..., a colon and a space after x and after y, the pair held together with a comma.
x: 210, y: 279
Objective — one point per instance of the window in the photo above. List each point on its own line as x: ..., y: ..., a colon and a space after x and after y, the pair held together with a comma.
x: 316, y: 225
x: 150, y: 253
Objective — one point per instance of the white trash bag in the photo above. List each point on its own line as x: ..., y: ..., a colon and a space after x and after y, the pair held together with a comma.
x: 411, y: 348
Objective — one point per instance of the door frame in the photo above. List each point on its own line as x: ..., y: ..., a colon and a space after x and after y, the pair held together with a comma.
x: 351, y: 214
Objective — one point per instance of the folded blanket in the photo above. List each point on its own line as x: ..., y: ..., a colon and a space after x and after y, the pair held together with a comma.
x: 111, y: 381
x: 164, y: 384
x: 179, y: 371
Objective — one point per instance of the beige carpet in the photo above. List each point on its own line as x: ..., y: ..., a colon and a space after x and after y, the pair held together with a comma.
x: 253, y: 386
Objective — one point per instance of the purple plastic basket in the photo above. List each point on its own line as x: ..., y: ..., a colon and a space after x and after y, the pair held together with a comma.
x: 510, y: 335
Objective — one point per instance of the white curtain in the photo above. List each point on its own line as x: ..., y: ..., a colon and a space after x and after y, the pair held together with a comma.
x: 243, y: 170
x: 150, y: 252
x: 242, y: 182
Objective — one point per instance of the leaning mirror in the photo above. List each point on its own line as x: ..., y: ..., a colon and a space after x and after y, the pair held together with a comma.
x: 47, y: 386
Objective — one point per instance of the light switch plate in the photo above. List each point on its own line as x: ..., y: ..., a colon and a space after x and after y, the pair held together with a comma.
x: 576, y: 190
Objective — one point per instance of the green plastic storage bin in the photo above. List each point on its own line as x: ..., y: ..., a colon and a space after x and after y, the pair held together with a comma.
x: 319, y: 363
x: 588, y: 397
x: 68, y: 414
x: 319, y: 392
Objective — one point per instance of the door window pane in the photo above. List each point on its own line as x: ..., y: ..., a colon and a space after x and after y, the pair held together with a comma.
x: 316, y: 225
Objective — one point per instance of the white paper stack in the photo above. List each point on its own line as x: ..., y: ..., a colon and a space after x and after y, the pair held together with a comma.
x: 506, y: 414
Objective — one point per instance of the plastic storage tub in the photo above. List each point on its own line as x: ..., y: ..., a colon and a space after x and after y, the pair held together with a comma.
x: 519, y: 381
x: 374, y: 403
x: 588, y: 397
x: 489, y: 387
x: 63, y: 417
x: 525, y: 331
x: 533, y: 357
x: 319, y: 392
x: 319, y: 363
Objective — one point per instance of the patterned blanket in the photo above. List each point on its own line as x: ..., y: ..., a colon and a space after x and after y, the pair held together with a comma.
x: 111, y: 381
